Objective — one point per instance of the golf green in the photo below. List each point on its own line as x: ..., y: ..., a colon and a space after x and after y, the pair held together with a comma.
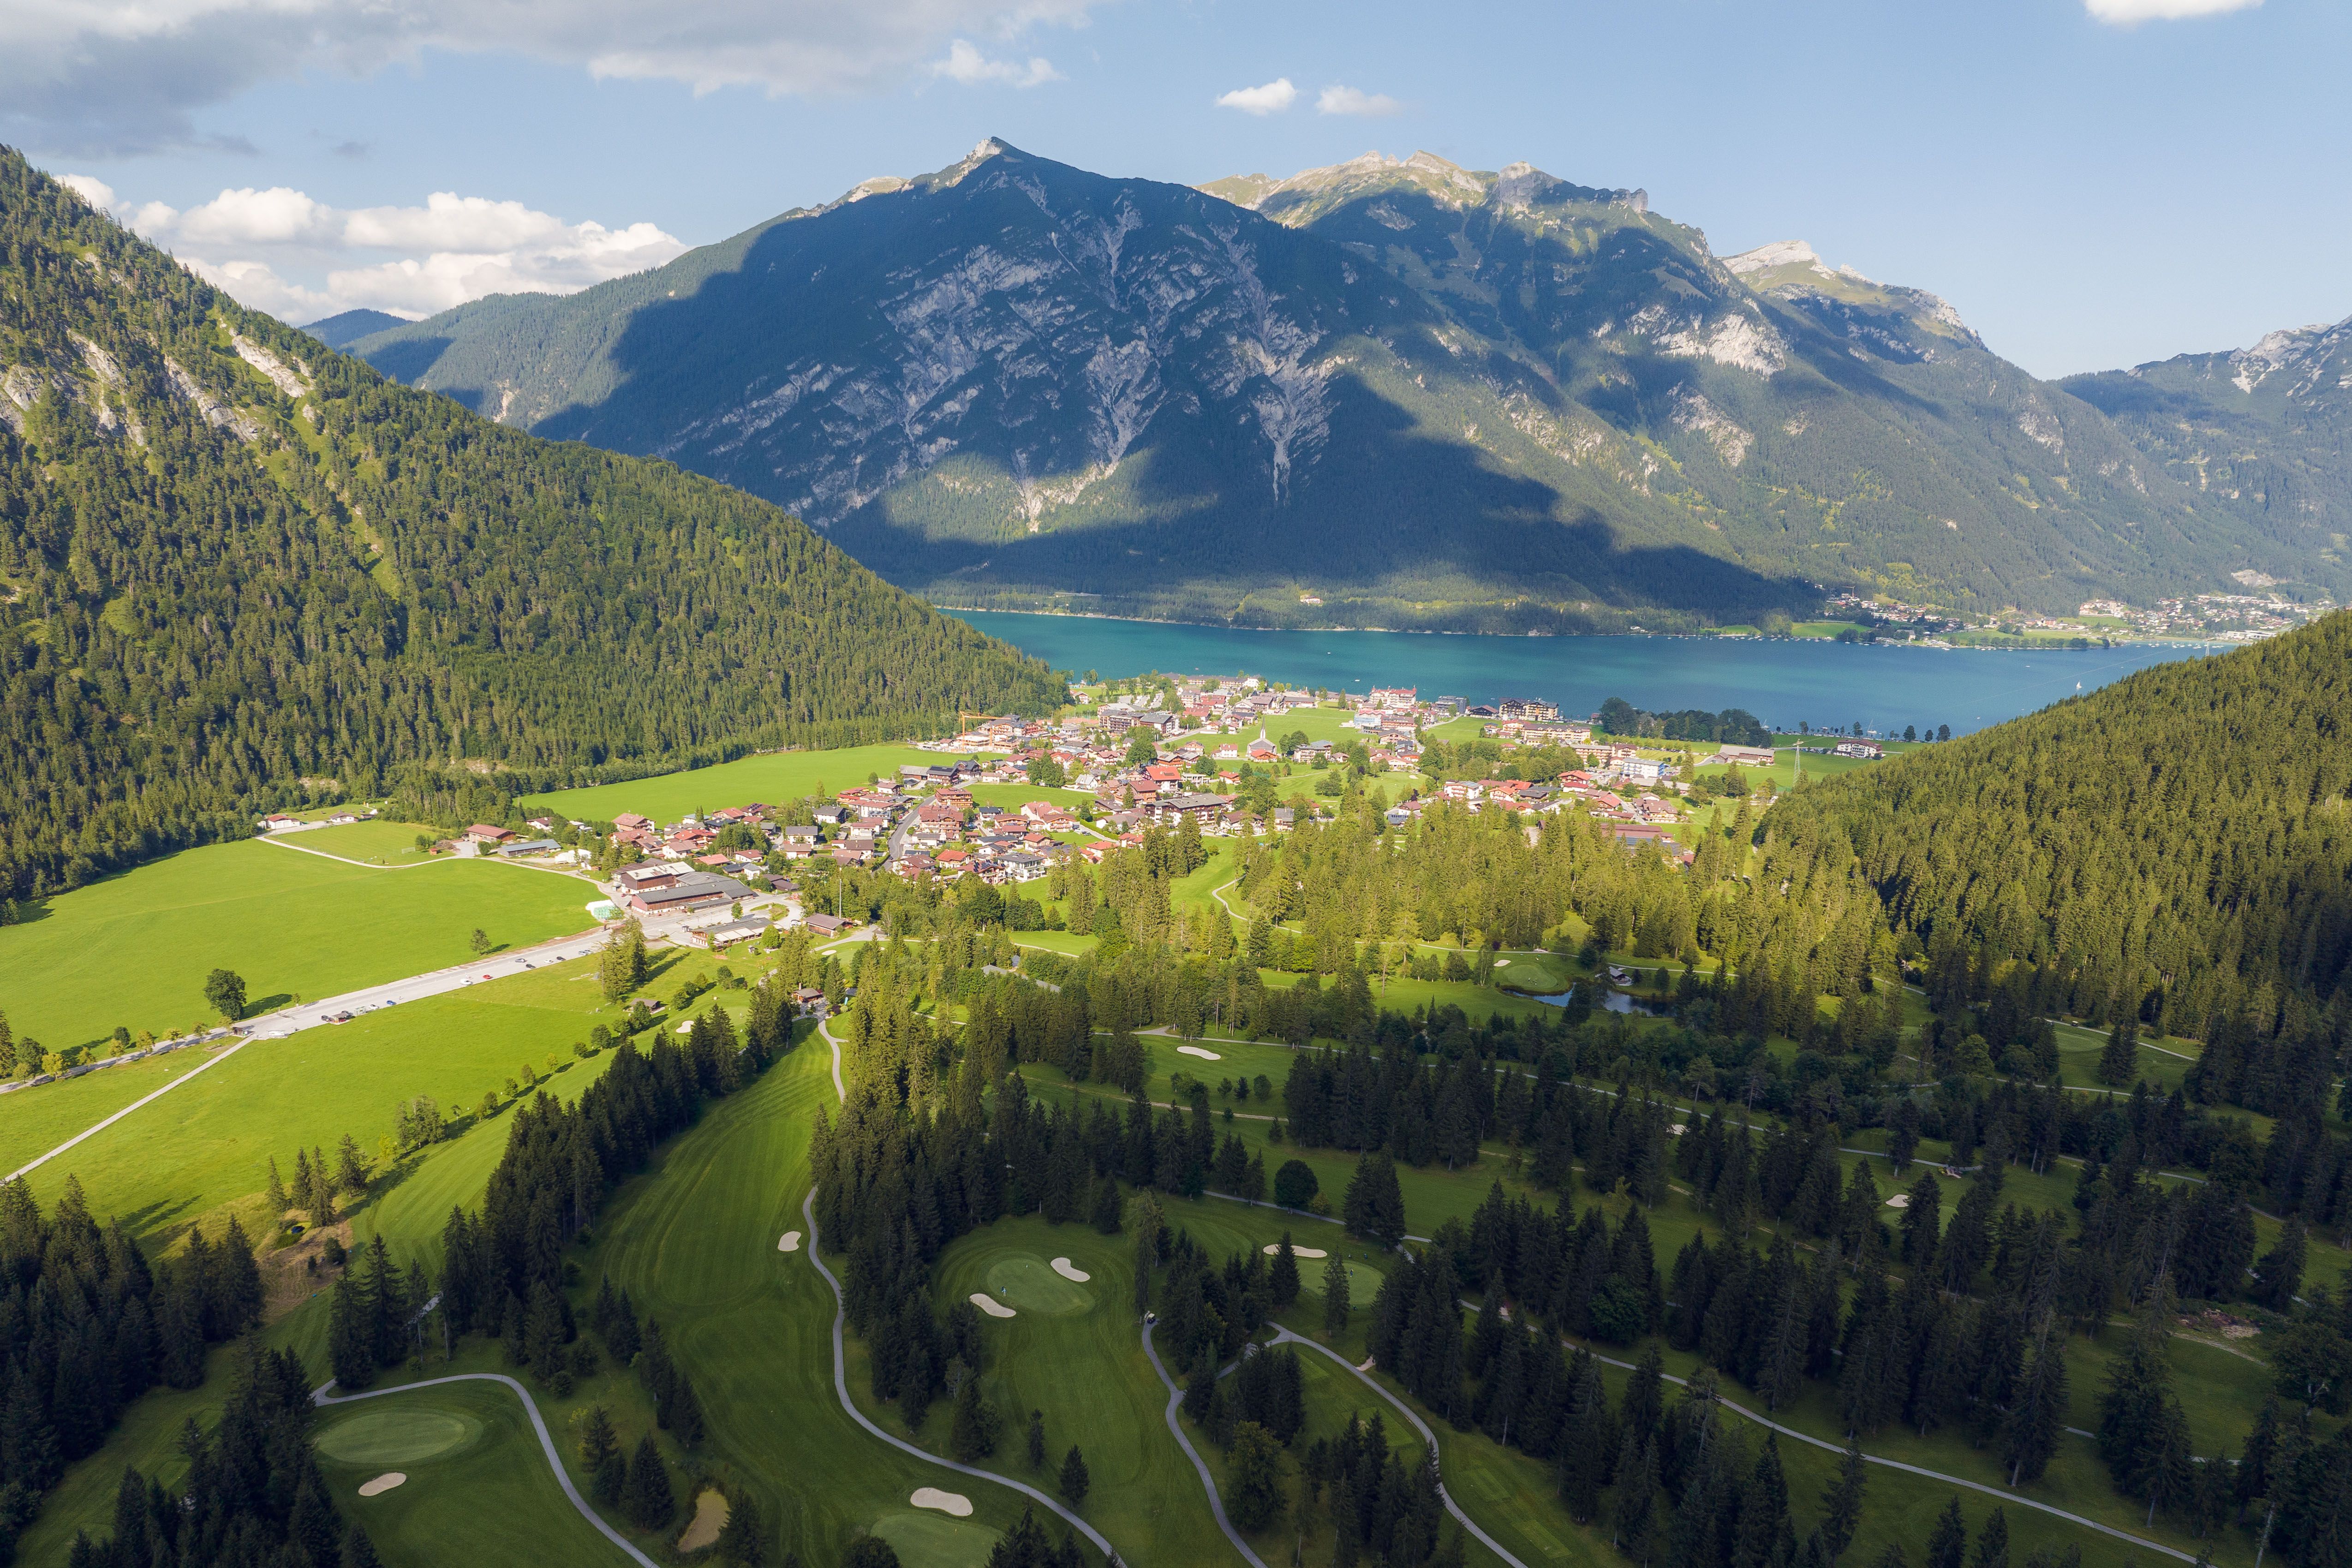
x: 937, y: 1542
x: 1363, y: 1281
x: 397, y: 1436
x: 1031, y: 1285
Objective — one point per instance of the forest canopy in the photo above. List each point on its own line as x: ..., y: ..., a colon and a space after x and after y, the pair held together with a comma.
x: 237, y: 566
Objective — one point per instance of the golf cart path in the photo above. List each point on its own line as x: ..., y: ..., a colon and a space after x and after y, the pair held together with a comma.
x: 841, y: 1387
x: 1208, y: 1484
x: 1284, y: 1337
x: 310, y: 1015
x: 2001, y: 1493
x: 319, y: 1396
x: 841, y: 1366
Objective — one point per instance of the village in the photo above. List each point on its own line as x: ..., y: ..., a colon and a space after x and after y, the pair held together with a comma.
x: 1011, y: 798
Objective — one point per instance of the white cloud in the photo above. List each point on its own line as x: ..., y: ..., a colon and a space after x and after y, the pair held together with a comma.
x: 966, y: 64
x: 413, y: 261
x: 90, y: 189
x: 1272, y: 99
x: 1352, y: 101
x: 2132, y: 13
x: 101, y: 75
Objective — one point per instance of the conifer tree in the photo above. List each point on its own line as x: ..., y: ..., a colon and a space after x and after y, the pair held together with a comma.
x: 1253, y: 1491
x: 1841, y: 1503
x: 350, y: 1169
x: 1282, y: 1279
x: 351, y: 1343
x: 2030, y: 1433
x: 2280, y: 1270
x: 1073, y: 1480
x: 647, y: 1499
x: 1334, y: 1296
x: 2119, y: 1062
x: 1036, y: 1439
x: 279, y: 1201
x: 743, y: 1539
x: 1947, y: 1543
x: 1992, y: 1542
x: 972, y: 1432
x: 1921, y: 1221
x: 600, y: 1456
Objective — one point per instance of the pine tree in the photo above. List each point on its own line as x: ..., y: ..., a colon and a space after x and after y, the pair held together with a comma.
x: 1992, y: 1542
x: 351, y: 1170
x: 1282, y: 1279
x: 351, y: 1343
x: 1334, y: 1296
x: 1254, y: 1491
x: 278, y: 1202
x: 972, y: 1432
x: 2119, y: 1062
x: 2030, y: 1433
x: 1074, y: 1479
x: 647, y: 1500
x: 1841, y: 1503
x: 743, y: 1539
x: 600, y: 1456
x: 2281, y: 1270
x: 1947, y: 1543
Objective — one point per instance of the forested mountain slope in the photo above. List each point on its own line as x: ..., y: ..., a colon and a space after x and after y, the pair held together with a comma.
x: 2176, y: 846
x: 2265, y: 431
x: 1412, y: 392
x: 231, y: 560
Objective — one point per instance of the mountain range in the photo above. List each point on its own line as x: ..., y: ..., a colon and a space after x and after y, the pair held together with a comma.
x: 1392, y: 391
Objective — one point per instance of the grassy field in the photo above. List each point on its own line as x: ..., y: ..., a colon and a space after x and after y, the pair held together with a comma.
x: 135, y: 949
x: 771, y: 778
x: 309, y: 1089
x: 378, y: 842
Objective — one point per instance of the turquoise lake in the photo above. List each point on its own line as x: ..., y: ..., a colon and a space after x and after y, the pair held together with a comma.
x: 1830, y: 686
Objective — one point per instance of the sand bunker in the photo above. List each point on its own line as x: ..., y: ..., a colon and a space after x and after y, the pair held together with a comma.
x: 994, y: 1309
x: 791, y: 1242
x: 383, y: 1483
x: 710, y: 1519
x: 1196, y: 1050
x: 1677, y: 1128
x: 1274, y: 1247
x: 1069, y: 1270
x: 1900, y: 1200
x: 953, y: 1503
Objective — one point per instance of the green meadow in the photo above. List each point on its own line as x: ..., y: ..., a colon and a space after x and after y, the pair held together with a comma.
x: 770, y: 777
x: 135, y: 949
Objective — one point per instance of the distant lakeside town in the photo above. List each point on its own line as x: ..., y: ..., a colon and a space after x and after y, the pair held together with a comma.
x: 1010, y: 799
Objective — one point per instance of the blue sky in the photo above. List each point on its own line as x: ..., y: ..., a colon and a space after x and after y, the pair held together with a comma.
x: 2090, y: 190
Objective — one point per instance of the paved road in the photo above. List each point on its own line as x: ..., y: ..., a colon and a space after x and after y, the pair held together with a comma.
x: 322, y: 1397
x: 416, y: 987
x: 310, y: 1015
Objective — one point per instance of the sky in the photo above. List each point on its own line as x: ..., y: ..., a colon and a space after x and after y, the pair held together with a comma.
x: 2091, y: 182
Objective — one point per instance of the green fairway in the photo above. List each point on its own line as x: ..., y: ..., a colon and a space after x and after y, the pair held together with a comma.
x: 485, y: 1495
x: 771, y: 778
x: 693, y: 1241
x: 135, y: 949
